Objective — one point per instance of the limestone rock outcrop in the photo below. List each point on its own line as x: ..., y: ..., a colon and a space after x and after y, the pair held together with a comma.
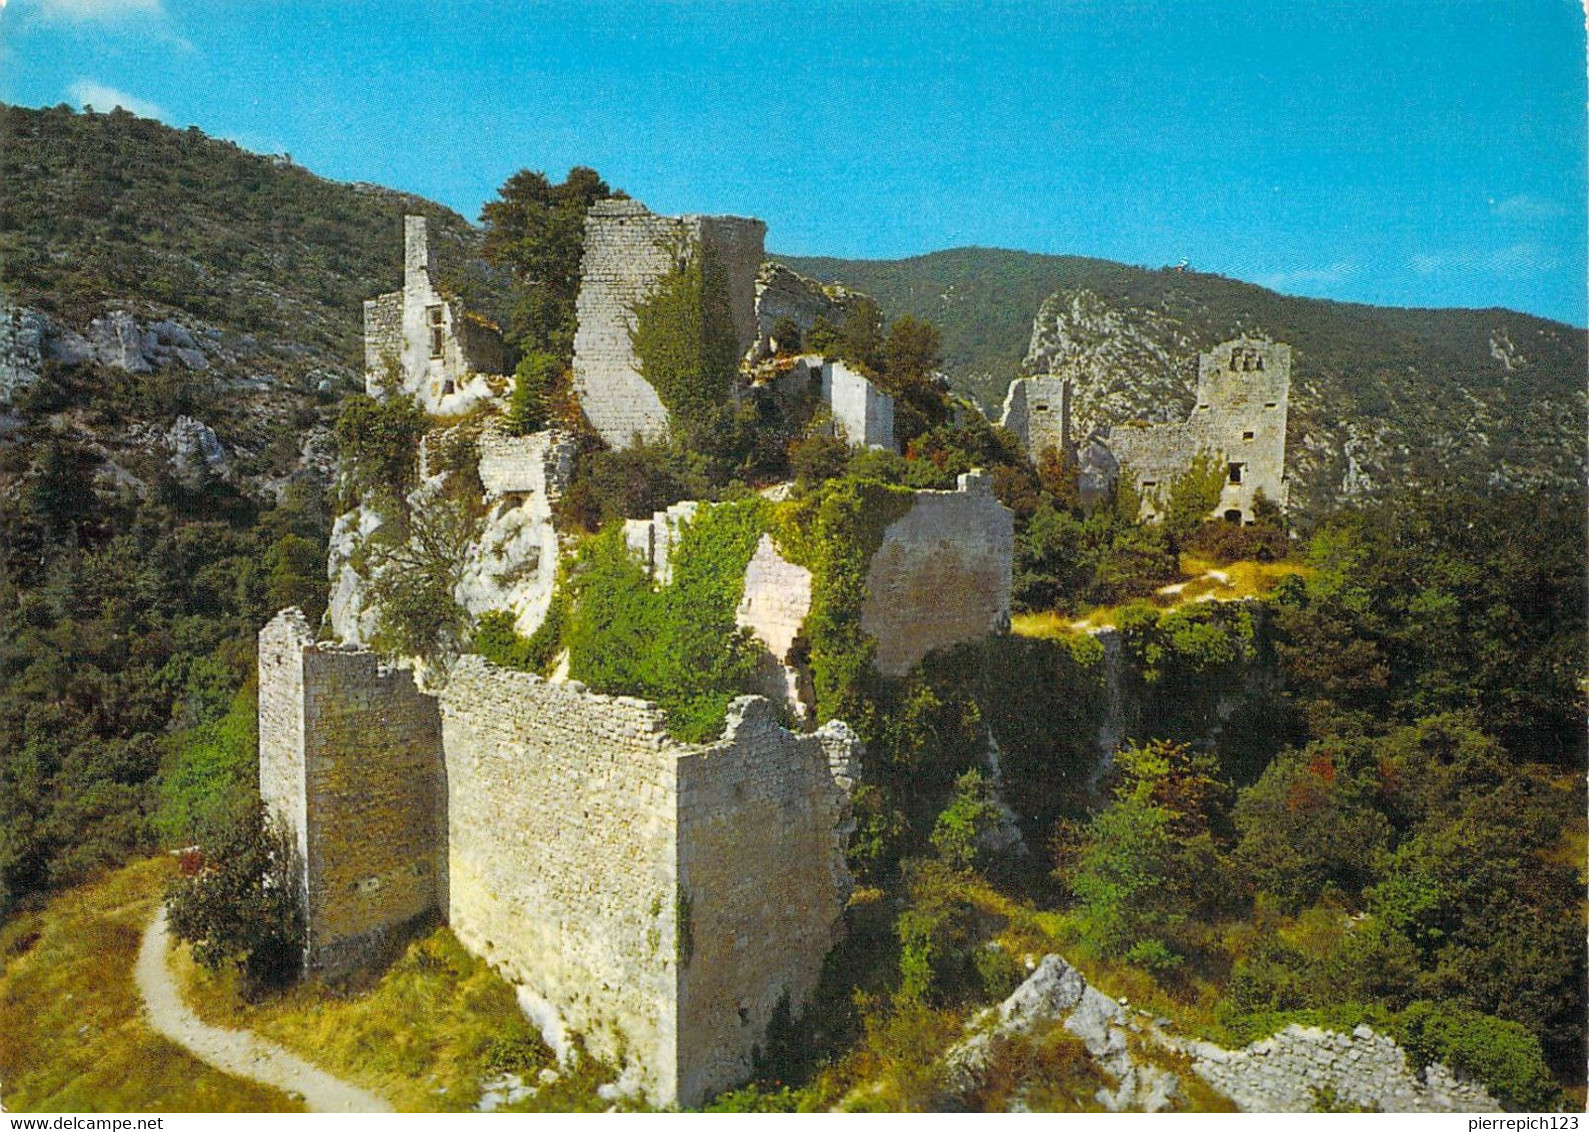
x: 1058, y: 994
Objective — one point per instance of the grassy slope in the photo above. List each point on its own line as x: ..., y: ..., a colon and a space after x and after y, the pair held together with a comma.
x: 71, y: 1039
x: 110, y: 207
x: 426, y: 1035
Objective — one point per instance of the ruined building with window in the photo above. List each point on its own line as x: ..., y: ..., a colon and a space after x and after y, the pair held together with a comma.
x: 1239, y: 419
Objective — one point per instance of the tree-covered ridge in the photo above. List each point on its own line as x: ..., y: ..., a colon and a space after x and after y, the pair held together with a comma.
x: 1380, y: 396
x: 102, y: 207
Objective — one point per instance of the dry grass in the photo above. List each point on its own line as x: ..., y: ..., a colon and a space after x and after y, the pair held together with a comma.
x: 71, y: 1035
x: 425, y: 1035
x: 1203, y: 580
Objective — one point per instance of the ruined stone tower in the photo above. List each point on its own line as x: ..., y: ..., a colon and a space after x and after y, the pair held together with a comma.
x: 1243, y: 390
x: 441, y: 354
x: 628, y: 249
x: 1037, y: 410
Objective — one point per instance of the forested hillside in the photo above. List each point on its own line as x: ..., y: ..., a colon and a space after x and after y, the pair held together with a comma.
x: 101, y: 207
x: 1382, y: 398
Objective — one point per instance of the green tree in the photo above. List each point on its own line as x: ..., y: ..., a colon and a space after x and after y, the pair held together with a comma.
x: 961, y: 834
x: 684, y: 338
x: 1309, y: 821
x: 1194, y: 494
x: 536, y: 231
x: 532, y: 381
x: 240, y: 899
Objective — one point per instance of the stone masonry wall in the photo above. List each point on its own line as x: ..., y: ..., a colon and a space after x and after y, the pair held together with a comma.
x: 656, y: 898
x: 764, y: 820
x: 541, y: 463
x: 866, y: 412
x: 1037, y: 409
x: 627, y: 250
x: 383, y: 335
x: 355, y: 771
x: 941, y: 575
x: 562, y: 813
x: 1243, y: 390
x: 402, y: 323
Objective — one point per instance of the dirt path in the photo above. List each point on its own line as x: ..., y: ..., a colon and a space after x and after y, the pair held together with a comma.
x: 237, y: 1051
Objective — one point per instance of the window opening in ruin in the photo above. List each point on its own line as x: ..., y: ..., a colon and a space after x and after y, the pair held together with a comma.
x: 1202, y: 406
x: 1235, y: 472
x: 1270, y: 404
x: 1233, y: 516
x: 1040, y: 408
x: 1257, y: 361
x: 433, y: 316
x: 1150, y: 483
x: 1246, y: 436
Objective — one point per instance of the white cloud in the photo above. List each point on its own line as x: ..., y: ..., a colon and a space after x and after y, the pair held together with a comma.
x: 1525, y: 260
x: 86, y: 92
x: 1526, y: 206
x: 86, y: 11
x: 1307, y: 276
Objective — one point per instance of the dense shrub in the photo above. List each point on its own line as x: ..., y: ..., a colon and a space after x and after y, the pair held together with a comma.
x: 240, y: 899
x: 677, y: 645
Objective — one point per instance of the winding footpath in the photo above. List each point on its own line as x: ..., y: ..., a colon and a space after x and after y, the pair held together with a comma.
x: 236, y: 1051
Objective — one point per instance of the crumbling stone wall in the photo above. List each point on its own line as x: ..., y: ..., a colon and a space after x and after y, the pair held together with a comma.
x: 1243, y: 391
x: 784, y: 293
x: 1037, y: 410
x: 642, y: 891
x: 941, y: 575
x: 865, y: 412
x: 350, y: 762
x: 1301, y: 1066
x: 444, y: 354
x: 652, y: 540
x: 562, y: 811
x: 763, y: 823
x: 776, y: 600
x: 628, y: 249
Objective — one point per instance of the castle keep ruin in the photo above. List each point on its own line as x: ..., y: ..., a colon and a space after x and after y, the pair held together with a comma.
x: 628, y: 250
x: 1243, y: 392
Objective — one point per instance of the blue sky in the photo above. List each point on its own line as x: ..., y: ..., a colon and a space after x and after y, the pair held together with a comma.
x: 1418, y: 154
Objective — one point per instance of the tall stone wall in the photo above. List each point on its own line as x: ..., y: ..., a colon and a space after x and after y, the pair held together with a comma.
x: 1037, y: 410
x: 654, y: 897
x: 562, y: 815
x: 865, y: 412
x: 628, y: 249
x: 941, y: 576
x: 1243, y: 395
x: 350, y: 761
x: 383, y: 337
x: 763, y: 824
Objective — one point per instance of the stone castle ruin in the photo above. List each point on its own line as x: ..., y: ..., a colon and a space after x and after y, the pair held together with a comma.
x: 440, y: 354
x: 1243, y: 391
x: 659, y: 899
x: 628, y: 249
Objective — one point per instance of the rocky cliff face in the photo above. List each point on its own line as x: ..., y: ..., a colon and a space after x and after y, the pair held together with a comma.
x: 151, y: 392
x: 1375, y: 405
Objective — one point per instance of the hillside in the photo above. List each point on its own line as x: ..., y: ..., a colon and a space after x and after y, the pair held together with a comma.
x: 1380, y: 396
x: 101, y: 208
